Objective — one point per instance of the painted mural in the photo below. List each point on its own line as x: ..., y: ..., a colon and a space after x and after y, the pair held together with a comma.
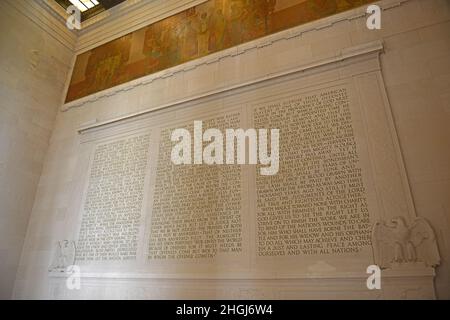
x: 207, y: 28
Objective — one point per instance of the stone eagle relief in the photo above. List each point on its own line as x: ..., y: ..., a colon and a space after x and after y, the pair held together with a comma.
x: 396, y: 243
x: 63, y: 257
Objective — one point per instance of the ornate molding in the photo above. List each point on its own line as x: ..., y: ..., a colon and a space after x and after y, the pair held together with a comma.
x: 416, y: 284
x: 366, y: 49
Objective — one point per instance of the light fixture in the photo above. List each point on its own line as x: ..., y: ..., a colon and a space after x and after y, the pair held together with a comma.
x: 84, y: 5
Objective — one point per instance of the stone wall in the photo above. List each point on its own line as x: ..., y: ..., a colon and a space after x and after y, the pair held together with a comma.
x: 416, y: 72
x: 34, y: 67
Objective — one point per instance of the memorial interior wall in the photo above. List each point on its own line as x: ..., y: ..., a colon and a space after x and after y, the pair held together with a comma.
x: 34, y: 66
x: 348, y: 103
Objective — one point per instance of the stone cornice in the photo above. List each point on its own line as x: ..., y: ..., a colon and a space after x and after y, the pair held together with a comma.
x: 375, y: 47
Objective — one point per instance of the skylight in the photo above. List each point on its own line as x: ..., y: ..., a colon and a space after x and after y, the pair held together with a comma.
x: 84, y: 5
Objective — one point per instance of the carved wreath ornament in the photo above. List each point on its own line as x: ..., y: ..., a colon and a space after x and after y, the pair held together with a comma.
x: 397, y: 243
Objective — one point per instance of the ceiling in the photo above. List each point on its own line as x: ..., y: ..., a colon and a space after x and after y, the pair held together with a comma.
x: 90, y: 8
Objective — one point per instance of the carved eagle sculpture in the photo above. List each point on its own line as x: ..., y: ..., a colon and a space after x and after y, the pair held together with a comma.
x: 64, y: 256
x: 396, y: 242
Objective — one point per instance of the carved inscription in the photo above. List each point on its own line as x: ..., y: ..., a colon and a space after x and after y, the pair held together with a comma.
x: 197, y: 208
x: 112, y: 209
x: 316, y: 204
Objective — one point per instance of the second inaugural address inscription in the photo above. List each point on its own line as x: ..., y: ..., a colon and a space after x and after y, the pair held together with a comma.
x: 316, y: 204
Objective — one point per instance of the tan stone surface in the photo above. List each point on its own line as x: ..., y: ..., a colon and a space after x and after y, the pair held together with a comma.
x: 414, y: 66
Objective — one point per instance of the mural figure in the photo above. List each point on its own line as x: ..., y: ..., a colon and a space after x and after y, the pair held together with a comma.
x: 217, y: 31
x: 203, y: 35
x: 204, y: 29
